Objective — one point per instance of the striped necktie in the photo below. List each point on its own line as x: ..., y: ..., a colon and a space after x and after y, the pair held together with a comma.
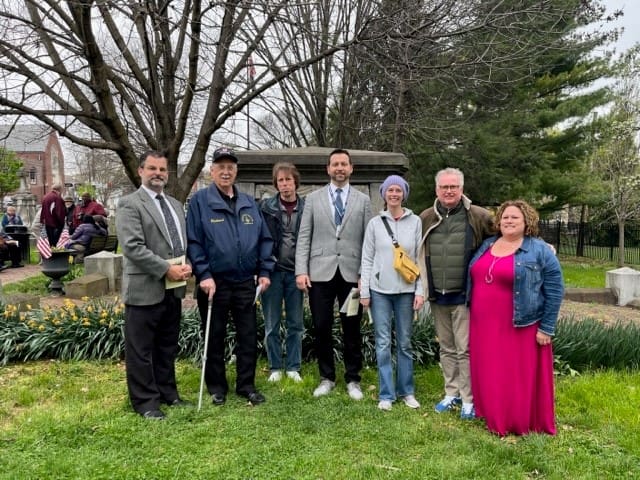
x: 176, y: 238
x: 339, y: 206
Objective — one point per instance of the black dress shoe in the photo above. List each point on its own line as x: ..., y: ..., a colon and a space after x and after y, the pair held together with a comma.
x: 218, y: 398
x: 153, y: 415
x: 3, y: 267
x: 178, y: 402
x: 256, y: 398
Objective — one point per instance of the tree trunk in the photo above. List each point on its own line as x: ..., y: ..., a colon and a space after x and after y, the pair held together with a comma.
x: 621, y: 261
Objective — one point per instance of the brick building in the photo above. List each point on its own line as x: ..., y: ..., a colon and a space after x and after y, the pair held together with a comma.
x: 39, y: 149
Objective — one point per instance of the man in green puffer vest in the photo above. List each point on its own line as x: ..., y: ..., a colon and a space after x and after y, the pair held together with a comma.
x: 451, y: 232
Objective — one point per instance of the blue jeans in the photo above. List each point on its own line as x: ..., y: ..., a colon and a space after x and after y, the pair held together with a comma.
x: 383, y: 308
x: 283, y: 287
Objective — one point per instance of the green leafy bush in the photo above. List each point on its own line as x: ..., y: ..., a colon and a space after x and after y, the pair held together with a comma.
x: 590, y: 344
x: 89, y: 331
x: 94, y: 330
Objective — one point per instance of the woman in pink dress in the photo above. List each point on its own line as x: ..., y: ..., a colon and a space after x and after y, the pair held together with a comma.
x: 515, y: 293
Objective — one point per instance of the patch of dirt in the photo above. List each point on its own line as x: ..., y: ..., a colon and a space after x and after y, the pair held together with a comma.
x: 609, y: 314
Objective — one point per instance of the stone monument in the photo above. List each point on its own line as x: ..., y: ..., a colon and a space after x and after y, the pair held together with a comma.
x: 369, y: 170
x: 26, y: 203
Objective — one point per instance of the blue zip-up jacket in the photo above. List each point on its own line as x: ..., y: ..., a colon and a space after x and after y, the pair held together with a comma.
x: 538, y: 287
x: 225, y: 244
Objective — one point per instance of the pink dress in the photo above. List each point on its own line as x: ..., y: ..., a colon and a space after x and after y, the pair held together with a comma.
x: 511, y: 375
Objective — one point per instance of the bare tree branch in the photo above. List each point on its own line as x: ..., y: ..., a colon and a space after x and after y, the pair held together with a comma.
x: 166, y: 74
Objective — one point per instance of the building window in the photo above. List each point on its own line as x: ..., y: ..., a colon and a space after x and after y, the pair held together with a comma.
x: 33, y: 178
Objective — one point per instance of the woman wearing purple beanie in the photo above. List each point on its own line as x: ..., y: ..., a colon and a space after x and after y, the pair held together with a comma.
x: 391, y: 299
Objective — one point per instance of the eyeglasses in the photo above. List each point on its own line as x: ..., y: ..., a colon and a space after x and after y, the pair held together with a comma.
x: 449, y: 187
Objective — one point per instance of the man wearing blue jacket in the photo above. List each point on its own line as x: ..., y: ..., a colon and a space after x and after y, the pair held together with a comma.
x: 229, y: 244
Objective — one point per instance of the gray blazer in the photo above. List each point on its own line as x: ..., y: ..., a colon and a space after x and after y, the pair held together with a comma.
x: 146, y: 245
x: 319, y: 251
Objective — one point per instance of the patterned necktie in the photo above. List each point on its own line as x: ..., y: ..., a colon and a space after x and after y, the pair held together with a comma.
x: 171, y: 226
x: 339, y: 206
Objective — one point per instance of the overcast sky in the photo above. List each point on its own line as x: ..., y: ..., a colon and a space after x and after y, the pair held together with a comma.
x: 630, y: 21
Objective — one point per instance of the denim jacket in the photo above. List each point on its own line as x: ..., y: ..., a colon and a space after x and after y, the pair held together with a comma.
x: 538, y: 287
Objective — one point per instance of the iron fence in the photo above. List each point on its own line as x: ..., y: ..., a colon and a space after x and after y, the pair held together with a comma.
x: 597, y: 241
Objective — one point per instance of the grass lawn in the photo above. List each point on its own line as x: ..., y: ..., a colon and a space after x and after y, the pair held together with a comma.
x: 580, y: 272
x: 72, y: 420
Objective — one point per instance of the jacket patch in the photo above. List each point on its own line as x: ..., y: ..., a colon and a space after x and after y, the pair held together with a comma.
x: 246, y: 219
x: 217, y: 220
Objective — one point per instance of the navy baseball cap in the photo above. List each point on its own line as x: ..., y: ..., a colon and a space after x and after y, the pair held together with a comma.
x: 224, y: 152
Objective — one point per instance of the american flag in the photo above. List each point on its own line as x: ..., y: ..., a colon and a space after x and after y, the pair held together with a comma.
x: 64, y: 238
x: 43, y: 244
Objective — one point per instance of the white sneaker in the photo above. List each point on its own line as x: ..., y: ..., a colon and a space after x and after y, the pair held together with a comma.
x: 411, y: 402
x: 324, y: 388
x: 384, y: 405
x: 295, y: 376
x: 276, y: 376
x: 355, y: 392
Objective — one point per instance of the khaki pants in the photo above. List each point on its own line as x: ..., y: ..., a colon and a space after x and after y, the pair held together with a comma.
x: 452, y: 328
x: 79, y: 257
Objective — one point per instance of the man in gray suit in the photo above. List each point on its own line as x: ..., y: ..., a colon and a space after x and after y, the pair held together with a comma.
x: 328, y: 266
x: 151, y: 230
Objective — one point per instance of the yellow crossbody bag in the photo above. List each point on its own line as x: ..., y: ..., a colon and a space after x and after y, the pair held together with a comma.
x: 402, y: 262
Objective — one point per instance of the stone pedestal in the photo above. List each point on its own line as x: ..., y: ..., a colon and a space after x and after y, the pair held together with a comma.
x: 625, y: 284
x: 108, y: 264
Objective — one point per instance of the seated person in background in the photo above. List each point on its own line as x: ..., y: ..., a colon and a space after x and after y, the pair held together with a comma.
x: 11, y: 217
x: 101, y: 221
x: 9, y: 250
x: 83, y: 234
x: 87, y: 206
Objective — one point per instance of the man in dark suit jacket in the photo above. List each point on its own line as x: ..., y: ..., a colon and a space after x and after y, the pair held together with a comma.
x: 149, y: 239
x: 328, y: 256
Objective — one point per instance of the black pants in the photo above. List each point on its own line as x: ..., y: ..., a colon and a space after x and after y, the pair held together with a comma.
x: 151, y: 346
x: 53, y: 234
x: 322, y: 297
x: 235, y: 298
x: 8, y: 251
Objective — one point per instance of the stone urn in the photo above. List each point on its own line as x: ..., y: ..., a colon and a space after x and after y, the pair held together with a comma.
x: 55, y: 267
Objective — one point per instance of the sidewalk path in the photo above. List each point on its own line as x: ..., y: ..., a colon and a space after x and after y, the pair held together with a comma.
x: 11, y: 275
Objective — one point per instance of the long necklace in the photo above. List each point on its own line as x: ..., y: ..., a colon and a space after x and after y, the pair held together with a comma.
x: 488, y: 278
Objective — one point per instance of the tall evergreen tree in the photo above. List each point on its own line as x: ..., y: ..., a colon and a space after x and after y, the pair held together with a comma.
x: 10, y: 165
x: 522, y: 135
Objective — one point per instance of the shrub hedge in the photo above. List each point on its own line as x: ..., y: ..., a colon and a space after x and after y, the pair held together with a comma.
x: 94, y: 330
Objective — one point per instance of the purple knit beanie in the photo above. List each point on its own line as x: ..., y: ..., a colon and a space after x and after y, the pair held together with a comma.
x: 395, y: 180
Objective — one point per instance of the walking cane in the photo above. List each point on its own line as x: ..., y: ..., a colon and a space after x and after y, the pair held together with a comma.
x: 204, y: 353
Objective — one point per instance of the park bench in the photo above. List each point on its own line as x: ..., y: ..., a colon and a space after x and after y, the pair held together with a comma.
x: 99, y: 243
